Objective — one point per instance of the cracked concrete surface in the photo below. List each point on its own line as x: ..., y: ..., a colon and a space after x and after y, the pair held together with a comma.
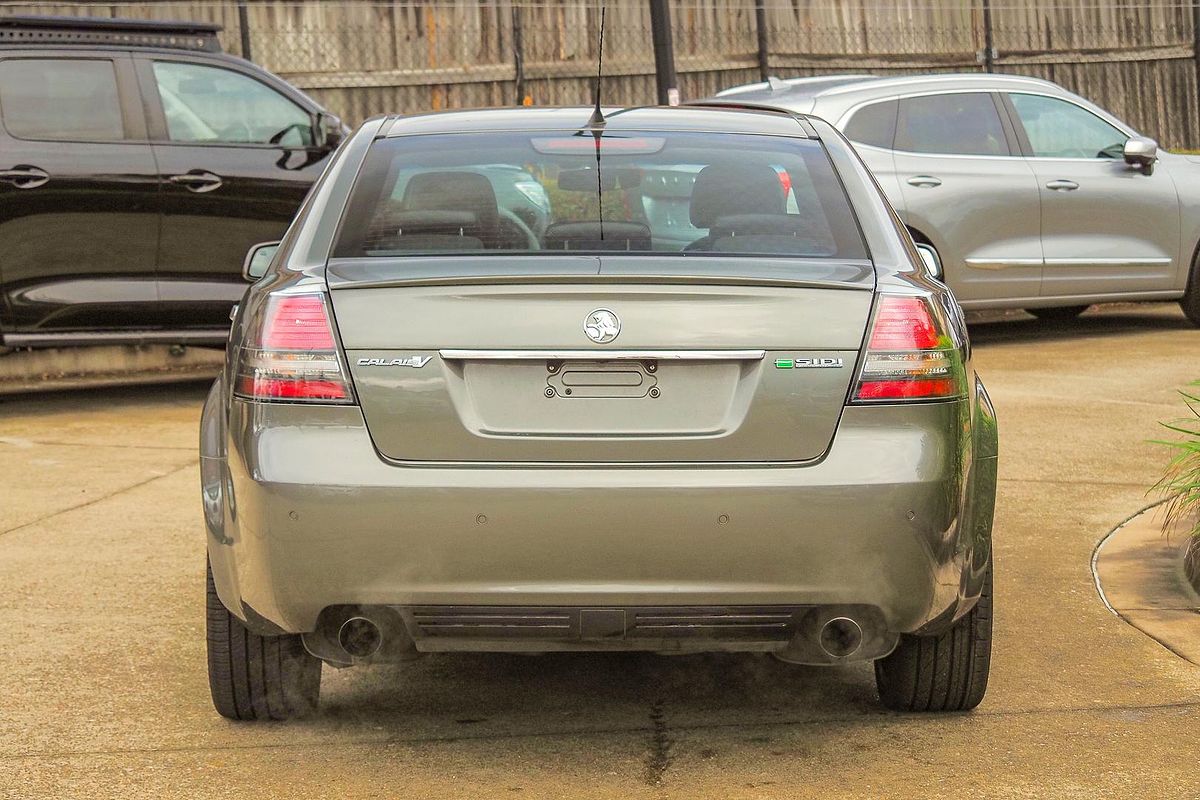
x: 103, y: 691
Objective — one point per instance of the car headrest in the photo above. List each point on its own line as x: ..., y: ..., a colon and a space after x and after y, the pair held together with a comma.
x: 723, y: 190
x: 631, y: 236
x: 467, y: 192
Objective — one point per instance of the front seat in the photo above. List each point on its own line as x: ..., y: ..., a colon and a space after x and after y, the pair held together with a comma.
x: 461, y: 192
x: 729, y: 191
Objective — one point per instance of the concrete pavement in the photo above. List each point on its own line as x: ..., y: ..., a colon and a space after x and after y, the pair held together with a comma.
x: 103, y: 690
x: 1139, y: 571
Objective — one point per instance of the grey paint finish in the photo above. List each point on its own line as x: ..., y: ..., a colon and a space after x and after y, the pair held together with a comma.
x: 370, y: 532
x: 707, y: 411
x: 654, y: 316
x: 710, y: 411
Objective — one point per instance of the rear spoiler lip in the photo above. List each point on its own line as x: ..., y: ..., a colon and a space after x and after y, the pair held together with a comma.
x: 365, y: 273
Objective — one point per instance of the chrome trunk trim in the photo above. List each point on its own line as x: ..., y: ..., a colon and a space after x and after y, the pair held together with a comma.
x: 603, y: 355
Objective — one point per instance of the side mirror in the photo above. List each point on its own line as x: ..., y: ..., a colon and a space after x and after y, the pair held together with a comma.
x: 932, y: 263
x: 1141, y: 152
x: 330, y: 130
x: 258, y: 259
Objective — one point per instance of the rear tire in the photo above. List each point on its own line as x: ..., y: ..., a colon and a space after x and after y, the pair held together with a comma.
x: 1057, y: 313
x: 254, y: 677
x: 1190, y: 302
x: 948, y: 672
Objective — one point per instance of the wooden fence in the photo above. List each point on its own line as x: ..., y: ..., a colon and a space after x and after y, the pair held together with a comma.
x: 1137, y: 58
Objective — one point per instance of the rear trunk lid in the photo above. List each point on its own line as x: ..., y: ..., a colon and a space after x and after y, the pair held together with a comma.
x: 704, y: 369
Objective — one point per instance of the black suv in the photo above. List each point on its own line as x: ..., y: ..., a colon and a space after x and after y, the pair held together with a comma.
x: 138, y: 164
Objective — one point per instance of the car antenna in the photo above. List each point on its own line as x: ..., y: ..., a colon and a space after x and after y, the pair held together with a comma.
x: 596, y: 123
x: 597, y: 118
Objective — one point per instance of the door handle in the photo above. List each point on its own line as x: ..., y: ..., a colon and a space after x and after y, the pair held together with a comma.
x: 24, y: 177
x: 1062, y: 185
x: 924, y: 181
x: 197, y: 181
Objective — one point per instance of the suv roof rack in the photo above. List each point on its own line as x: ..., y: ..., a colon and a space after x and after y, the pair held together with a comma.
x: 184, y: 35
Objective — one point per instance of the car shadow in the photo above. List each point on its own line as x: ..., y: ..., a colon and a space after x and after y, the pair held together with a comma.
x: 1017, y: 327
x: 478, y: 695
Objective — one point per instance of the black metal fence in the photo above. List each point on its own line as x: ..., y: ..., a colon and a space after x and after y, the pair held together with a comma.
x: 360, y: 57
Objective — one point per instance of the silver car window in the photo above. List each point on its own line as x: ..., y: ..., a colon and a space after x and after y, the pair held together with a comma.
x: 1060, y: 129
x: 874, y: 124
x: 959, y: 123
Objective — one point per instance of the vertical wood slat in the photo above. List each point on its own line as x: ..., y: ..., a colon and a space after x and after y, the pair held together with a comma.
x: 363, y: 57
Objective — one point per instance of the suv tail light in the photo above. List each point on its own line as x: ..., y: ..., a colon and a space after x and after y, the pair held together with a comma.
x: 909, y: 356
x: 290, y: 353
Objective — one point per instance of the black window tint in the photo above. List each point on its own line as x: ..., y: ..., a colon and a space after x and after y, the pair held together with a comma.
x: 549, y: 191
x: 70, y: 99
x: 964, y: 123
x: 210, y: 104
x: 873, y: 125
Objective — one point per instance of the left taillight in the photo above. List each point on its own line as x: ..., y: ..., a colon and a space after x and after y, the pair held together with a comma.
x: 290, y: 353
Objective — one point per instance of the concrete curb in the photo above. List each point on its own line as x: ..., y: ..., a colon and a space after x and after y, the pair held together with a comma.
x: 1140, y: 577
x: 54, y: 369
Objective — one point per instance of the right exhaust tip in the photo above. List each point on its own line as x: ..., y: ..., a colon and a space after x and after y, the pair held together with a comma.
x: 841, y: 637
x: 360, y: 637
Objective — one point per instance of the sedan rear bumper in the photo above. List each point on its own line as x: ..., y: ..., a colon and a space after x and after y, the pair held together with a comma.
x: 303, y: 515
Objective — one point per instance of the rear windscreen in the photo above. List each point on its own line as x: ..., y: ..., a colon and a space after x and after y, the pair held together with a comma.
x: 573, y: 191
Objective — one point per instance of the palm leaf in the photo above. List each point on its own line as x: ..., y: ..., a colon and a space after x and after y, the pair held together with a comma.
x: 1180, y: 482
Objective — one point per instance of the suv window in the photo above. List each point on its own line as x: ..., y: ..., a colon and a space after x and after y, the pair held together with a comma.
x: 636, y: 192
x: 65, y: 98
x: 210, y: 104
x: 1060, y: 129
x: 958, y: 123
x: 873, y: 125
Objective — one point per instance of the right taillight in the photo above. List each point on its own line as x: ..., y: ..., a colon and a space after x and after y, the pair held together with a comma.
x: 909, y: 355
x: 290, y: 354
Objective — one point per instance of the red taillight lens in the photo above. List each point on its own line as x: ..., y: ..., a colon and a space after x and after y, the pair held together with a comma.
x: 291, y: 354
x: 296, y: 322
x: 903, y: 323
x: 909, y: 356
x: 785, y: 180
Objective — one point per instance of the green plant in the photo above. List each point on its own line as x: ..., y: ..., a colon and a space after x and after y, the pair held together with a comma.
x: 1181, y: 482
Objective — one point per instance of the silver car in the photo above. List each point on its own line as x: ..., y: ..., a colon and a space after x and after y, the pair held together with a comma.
x: 717, y: 403
x: 1033, y: 197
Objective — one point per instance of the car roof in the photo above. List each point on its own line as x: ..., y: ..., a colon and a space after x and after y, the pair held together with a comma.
x: 770, y: 121
x: 797, y: 91
x: 807, y: 86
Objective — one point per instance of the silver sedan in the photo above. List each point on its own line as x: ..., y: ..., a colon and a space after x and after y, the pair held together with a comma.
x: 716, y: 404
x: 1033, y: 197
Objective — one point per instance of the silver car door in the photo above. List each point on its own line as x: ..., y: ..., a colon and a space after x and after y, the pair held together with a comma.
x: 1107, y: 228
x: 969, y: 192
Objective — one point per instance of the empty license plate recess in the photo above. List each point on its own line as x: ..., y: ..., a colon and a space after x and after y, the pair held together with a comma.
x: 575, y: 379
